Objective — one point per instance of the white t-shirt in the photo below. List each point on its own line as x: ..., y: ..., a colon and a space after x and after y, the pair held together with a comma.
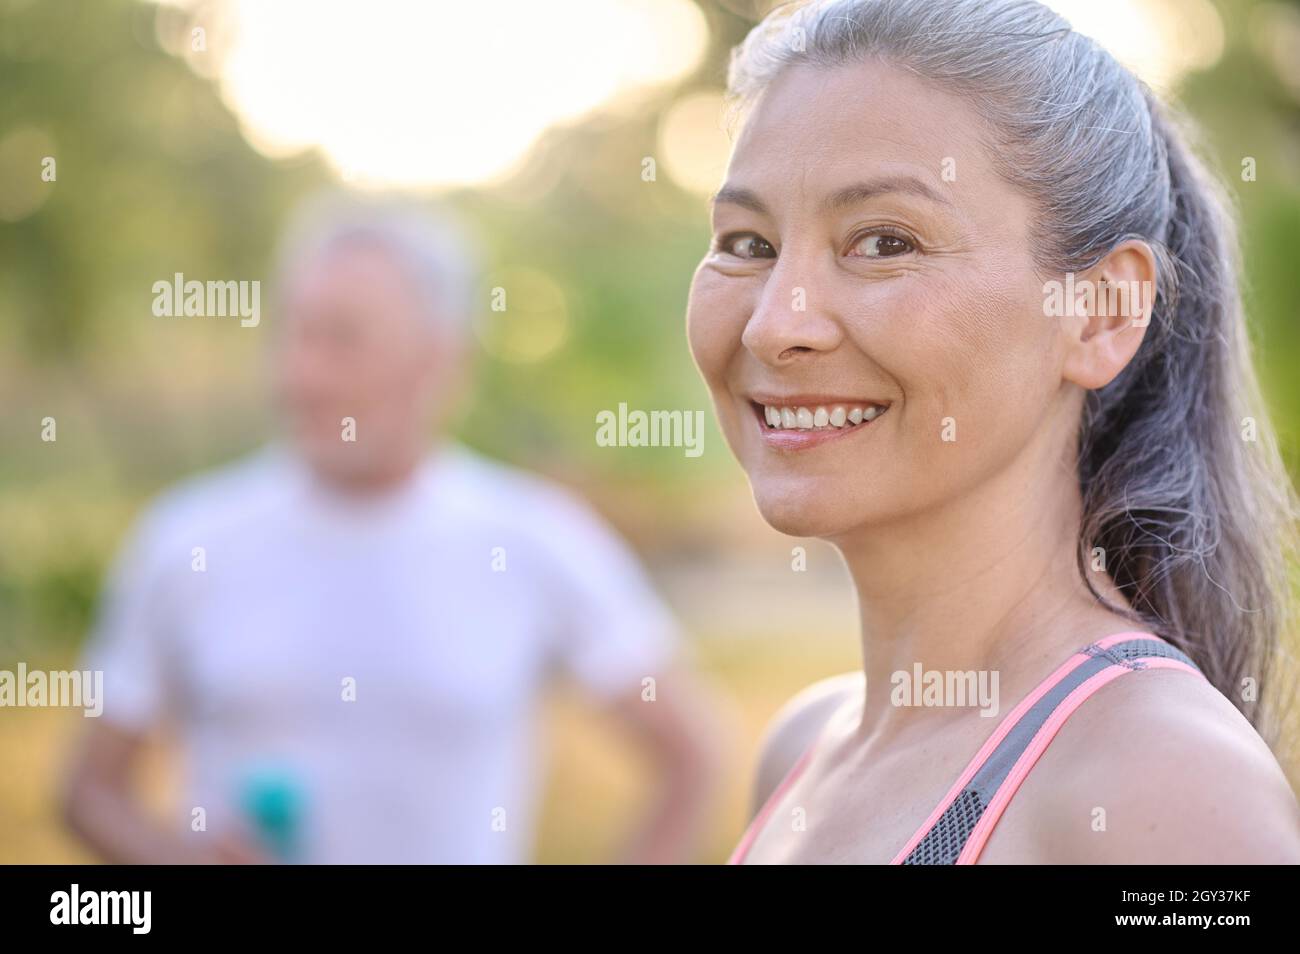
x: 440, y: 608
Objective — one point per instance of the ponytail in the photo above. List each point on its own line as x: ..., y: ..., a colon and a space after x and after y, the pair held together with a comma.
x: 1184, y: 490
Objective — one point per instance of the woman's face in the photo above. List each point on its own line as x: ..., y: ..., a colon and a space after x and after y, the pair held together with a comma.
x: 868, y: 262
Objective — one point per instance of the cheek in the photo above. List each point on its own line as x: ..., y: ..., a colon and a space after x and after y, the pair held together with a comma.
x: 715, y: 320
x: 974, y: 362
x: 392, y: 386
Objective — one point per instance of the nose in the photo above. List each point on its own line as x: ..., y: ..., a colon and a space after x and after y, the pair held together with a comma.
x: 792, y: 319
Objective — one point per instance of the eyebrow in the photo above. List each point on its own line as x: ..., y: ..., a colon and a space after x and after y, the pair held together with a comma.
x: 745, y: 198
x: 849, y: 195
x: 861, y: 191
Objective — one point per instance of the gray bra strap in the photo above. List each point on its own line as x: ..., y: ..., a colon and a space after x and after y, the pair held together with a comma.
x: 947, y: 837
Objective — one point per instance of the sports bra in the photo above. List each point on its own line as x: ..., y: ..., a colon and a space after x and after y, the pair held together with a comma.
x: 960, y: 825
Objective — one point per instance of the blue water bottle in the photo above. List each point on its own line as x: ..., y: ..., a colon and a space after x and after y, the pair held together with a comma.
x: 273, y: 801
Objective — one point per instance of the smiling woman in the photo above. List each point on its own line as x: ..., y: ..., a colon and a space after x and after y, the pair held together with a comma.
x: 1058, y: 499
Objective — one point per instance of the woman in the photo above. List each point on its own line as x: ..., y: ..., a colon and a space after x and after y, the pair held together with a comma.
x: 1081, y: 507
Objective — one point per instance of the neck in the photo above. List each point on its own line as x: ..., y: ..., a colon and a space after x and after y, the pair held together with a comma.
x: 388, y: 477
x: 988, y: 581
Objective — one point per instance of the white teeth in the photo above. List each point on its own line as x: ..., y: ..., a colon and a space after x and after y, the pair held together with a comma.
x: 803, y: 418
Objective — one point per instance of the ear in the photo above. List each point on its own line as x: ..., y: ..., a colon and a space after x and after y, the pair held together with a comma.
x: 1110, y: 308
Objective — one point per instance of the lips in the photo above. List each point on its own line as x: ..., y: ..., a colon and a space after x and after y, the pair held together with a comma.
x: 798, y: 421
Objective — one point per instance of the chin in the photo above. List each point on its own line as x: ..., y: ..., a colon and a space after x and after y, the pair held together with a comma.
x: 332, y: 459
x: 802, y: 513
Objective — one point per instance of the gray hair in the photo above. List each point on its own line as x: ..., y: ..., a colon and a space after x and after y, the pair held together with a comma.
x: 1196, y: 524
x: 432, y: 249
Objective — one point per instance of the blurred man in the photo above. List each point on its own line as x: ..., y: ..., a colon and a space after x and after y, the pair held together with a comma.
x: 349, y: 633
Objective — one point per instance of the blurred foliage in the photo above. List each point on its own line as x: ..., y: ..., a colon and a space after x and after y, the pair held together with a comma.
x: 154, y: 177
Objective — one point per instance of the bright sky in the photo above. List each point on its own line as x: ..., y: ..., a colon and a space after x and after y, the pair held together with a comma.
x: 1160, y: 40
x: 455, y: 92
x: 446, y: 92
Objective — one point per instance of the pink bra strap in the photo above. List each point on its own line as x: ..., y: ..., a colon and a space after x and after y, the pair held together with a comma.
x: 957, y: 830
x: 760, y: 820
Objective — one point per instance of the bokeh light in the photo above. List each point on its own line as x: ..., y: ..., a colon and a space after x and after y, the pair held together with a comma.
x: 438, y: 94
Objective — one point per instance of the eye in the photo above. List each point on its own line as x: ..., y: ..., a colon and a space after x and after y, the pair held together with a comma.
x: 746, y: 245
x: 881, y: 245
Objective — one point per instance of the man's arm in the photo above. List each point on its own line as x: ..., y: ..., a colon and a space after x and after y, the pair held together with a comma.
x: 685, y: 732
x: 100, y: 806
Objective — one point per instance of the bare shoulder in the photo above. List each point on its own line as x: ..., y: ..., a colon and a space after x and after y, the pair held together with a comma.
x: 1159, y: 767
x: 794, y: 727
